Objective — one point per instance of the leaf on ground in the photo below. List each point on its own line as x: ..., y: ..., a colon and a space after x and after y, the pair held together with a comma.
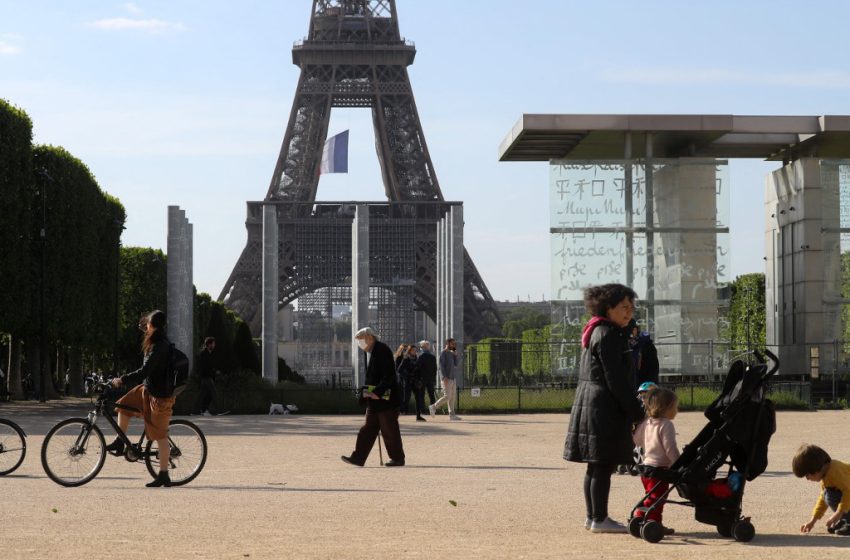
x: 452, y: 502
x: 54, y: 510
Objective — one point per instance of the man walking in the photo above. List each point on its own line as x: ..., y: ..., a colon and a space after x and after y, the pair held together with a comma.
x: 427, y: 365
x: 381, y: 395
x: 449, y: 362
x: 206, y: 376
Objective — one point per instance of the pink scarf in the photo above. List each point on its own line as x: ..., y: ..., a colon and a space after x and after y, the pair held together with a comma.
x: 588, y: 329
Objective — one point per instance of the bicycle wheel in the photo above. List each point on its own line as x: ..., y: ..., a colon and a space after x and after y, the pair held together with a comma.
x: 188, y: 452
x: 73, y: 452
x: 13, y: 446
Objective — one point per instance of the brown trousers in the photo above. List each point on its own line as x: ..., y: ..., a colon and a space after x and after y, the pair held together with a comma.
x: 385, y: 421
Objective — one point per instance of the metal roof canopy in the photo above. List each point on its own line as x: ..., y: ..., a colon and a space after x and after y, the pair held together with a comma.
x: 599, y: 137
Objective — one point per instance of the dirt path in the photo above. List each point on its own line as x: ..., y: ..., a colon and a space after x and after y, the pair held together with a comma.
x: 274, y: 487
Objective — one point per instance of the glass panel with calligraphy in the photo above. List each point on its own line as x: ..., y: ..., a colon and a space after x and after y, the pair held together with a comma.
x: 835, y: 185
x: 678, y: 262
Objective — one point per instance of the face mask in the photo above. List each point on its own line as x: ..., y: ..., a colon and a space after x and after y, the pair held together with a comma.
x: 361, y: 342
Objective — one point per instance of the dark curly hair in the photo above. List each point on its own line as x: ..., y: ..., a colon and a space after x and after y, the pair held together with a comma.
x: 599, y: 299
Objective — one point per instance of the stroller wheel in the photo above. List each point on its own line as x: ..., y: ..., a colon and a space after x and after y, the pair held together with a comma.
x: 652, y: 531
x: 743, y: 531
x: 725, y: 529
x: 635, y: 524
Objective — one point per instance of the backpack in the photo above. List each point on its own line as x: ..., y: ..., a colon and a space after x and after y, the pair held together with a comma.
x: 178, y: 366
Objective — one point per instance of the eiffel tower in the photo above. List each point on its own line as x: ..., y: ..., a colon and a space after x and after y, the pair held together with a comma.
x: 354, y: 56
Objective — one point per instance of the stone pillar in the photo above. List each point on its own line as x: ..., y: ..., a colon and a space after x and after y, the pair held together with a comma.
x: 179, y: 292
x: 803, y: 269
x: 359, y: 287
x: 686, y: 267
x: 441, y: 315
x: 271, y: 281
x: 456, y: 283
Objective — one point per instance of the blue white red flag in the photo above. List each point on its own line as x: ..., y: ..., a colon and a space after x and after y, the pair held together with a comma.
x: 335, y: 154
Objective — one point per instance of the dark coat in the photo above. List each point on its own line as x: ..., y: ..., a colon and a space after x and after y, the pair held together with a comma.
x: 380, y: 372
x: 605, y: 405
x: 205, y: 364
x: 154, y: 370
x: 426, y: 363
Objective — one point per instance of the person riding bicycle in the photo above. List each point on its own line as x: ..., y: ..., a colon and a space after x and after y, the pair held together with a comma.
x: 152, y: 394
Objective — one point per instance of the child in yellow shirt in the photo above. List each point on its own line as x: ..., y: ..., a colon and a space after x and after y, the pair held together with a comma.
x: 816, y: 465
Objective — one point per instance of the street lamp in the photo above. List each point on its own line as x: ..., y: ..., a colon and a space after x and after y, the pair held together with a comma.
x: 118, y: 225
x: 44, y: 359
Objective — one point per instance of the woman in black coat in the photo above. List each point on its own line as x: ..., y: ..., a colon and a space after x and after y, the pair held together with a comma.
x: 605, y: 406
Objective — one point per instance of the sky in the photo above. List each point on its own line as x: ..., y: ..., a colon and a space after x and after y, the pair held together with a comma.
x: 186, y: 103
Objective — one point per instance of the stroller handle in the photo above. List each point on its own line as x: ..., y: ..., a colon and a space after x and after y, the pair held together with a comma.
x: 773, y: 359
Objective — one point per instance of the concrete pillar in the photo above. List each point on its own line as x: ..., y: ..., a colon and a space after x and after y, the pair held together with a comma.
x: 179, y: 292
x: 359, y: 287
x: 455, y: 235
x: 271, y: 281
x: 441, y: 317
x: 803, y: 267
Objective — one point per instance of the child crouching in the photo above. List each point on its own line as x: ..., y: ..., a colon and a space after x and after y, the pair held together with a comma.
x: 657, y: 436
x: 816, y: 465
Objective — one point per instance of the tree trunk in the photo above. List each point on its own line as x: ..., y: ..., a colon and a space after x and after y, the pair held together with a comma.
x: 48, y: 385
x: 61, y: 376
x: 75, y: 371
x: 14, y: 370
x: 31, y: 374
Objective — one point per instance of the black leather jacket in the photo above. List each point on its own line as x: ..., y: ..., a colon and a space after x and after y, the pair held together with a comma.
x: 154, y: 371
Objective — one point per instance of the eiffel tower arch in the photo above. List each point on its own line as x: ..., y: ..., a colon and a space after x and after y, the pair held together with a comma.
x: 353, y: 57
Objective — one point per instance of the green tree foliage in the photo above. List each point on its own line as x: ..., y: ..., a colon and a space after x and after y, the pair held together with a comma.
x: 143, y: 289
x: 537, y: 351
x: 244, y: 348
x: 16, y: 197
x: 746, y: 313
x: 519, y: 320
x: 493, y: 361
x: 81, y: 234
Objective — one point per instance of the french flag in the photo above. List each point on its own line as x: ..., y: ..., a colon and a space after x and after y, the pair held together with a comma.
x: 335, y: 154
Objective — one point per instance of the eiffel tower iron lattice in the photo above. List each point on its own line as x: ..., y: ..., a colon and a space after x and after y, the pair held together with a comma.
x: 353, y: 56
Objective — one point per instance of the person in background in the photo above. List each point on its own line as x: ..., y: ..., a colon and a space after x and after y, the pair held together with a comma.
x: 427, y: 366
x: 644, y: 354
x: 413, y: 384
x: 206, y: 377
x: 449, y: 362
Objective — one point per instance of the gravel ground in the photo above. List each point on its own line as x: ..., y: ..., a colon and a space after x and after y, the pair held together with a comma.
x: 487, y: 487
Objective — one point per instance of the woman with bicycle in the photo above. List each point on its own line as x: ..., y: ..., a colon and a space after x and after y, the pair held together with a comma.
x: 152, y: 394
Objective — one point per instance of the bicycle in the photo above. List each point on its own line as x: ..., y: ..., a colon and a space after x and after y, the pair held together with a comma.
x: 74, y: 451
x: 13, y: 446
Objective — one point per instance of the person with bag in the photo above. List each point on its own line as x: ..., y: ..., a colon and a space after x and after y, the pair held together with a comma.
x: 152, y: 394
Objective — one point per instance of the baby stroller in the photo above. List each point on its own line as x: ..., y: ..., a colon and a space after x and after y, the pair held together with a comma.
x: 741, y: 422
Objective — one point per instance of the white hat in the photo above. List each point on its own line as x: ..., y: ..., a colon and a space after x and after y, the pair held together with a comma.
x: 364, y: 331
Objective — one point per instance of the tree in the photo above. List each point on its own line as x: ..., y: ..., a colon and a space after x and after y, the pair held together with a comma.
x: 746, y: 325
x: 16, y: 194
x: 143, y: 288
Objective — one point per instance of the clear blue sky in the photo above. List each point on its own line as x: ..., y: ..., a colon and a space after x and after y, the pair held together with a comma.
x: 187, y: 102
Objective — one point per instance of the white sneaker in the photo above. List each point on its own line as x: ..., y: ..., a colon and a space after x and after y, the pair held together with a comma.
x: 206, y: 413
x: 455, y: 418
x: 608, y: 525
x: 588, y: 521
x: 432, y: 410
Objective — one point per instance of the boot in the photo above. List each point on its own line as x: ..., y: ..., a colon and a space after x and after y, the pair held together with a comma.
x: 116, y: 447
x: 162, y: 479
